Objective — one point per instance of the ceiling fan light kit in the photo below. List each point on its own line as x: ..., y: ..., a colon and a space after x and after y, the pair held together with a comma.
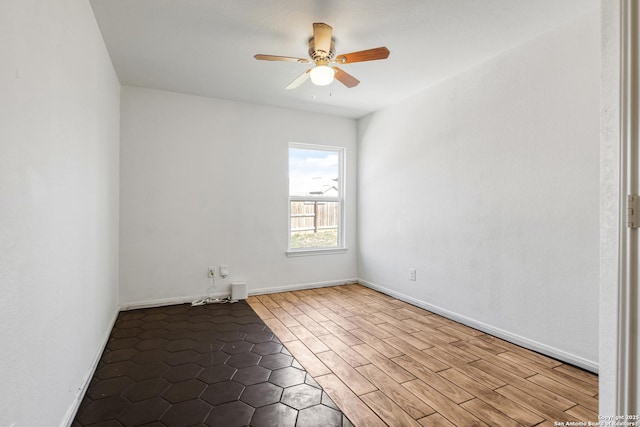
x: 321, y: 74
x: 322, y: 52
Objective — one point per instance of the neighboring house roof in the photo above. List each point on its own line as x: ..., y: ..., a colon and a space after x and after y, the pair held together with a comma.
x: 324, y: 187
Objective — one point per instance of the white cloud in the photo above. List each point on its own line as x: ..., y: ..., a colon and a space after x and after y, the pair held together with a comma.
x: 309, y: 169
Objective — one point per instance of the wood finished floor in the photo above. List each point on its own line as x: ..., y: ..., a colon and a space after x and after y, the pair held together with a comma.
x: 386, y: 362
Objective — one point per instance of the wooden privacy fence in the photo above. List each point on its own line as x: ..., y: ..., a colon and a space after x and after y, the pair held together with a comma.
x: 314, y: 215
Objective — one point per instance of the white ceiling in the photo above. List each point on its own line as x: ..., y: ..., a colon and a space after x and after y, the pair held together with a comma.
x: 206, y: 47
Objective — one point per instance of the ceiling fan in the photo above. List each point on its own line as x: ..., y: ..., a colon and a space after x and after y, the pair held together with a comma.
x: 322, y: 53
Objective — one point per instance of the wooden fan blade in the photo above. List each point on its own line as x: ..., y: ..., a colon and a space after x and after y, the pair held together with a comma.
x: 299, y: 80
x: 345, y: 78
x: 280, y: 58
x: 322, y: 36
x: 363, y: 55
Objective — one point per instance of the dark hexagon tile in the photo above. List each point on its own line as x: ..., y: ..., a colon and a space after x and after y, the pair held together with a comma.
x: 133, y: 323
x: 346, y: 422
x: 184, y: 390
x: 125, y: 333
x: 182, y: 372
x: 252, y: 375
x: 222, y: 392
x: 245, y: 312
x: 175, y: 318
x: 131, y: 315
x: 201, y: 336
x: 253, y: 327
x: 200, y: 318
x: 232, y: 336
x: 169, y: 367
x: 158, y: 324
x: 224, y: 319
x: 212, y: 359
x: 179, y: 334
x: 109, y: 387
x: 155, y: 355
x: 121, y: 343
x: 232, y: 414
x: 319, y: 416
x: 276, y: 414
x: 119, y: 355
x: 183, y: 325
x: 177, y: 309
x: 226, y: 327
x: 147, y: 371
x: 102, y: 410
x: 223, y: 310
x: 216, y: 374
x: 301, y: 396
x: 237, y: 347
x: 151, y: 344
x: 186, y: 414
x: 258, y: 337
x: 208, y: 346
x: 110, y: 423
x: 183, y: 344
x: 261, y: 394
x: 154, y: 333
x: 111, y: 370
x: 265, y: 348
x: 246, y: 320
x: 181, y: 357
x: 276, y: 361
x: 287, y: 377
x: 144, y: 412
x: 205, y: 326
x: 154, y: 316
x: 146, y: 389
x: 243, y: 360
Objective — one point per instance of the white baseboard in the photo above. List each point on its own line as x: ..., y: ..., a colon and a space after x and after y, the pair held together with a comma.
x: 300, y: 287
x: 269, y: 290
x: 558, y: 354
x: 82, y: 390
x: 168, y: 301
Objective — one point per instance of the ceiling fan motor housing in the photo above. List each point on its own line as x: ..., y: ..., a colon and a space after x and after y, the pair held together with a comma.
x: 321, y: 55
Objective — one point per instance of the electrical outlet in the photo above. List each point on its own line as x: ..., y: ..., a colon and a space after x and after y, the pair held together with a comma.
x: 212, y: 272
x: 412, y: 274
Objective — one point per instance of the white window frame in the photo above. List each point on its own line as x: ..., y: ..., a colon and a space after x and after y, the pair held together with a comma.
x: 341, y: 247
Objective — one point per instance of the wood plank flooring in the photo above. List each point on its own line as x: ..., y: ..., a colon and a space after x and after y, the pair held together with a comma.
x: 386, y: 362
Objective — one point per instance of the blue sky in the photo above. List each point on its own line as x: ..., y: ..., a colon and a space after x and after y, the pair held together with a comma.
x: 309, y: 167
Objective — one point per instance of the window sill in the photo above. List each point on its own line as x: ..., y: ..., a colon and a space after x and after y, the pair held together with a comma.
x: 311, y: 252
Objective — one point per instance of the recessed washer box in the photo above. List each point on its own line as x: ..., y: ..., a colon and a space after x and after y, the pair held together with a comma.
x: 239, y: 291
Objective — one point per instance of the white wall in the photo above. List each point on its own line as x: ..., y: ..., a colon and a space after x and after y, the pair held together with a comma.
x: 487, y: 184
x: 204, y: 182
x: 59, y: 121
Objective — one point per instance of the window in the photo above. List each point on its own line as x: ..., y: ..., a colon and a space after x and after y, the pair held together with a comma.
x: 316, y: 204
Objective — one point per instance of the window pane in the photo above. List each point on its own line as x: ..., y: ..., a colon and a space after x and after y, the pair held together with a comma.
x: 314, y: 224
x: 313, y: 172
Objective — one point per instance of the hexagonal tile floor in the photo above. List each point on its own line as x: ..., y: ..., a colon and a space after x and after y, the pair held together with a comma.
x: 212, y: 365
